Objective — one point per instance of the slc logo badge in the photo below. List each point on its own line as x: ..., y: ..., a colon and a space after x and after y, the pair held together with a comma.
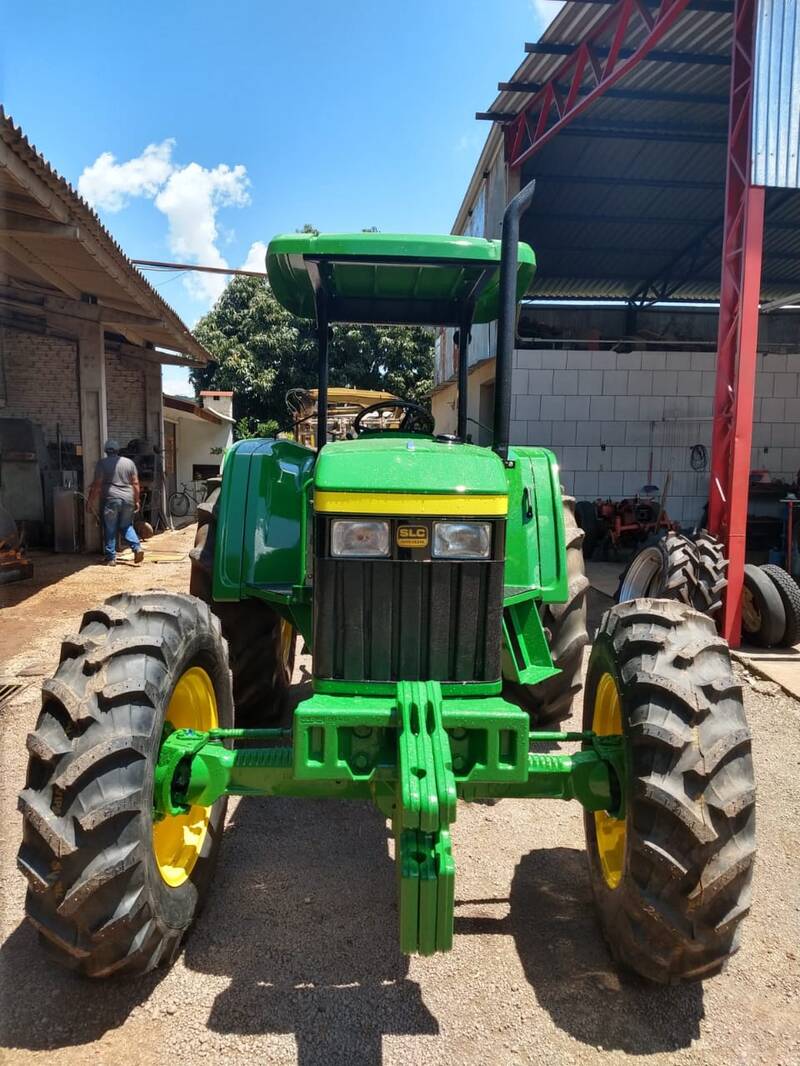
x: 412, y: 537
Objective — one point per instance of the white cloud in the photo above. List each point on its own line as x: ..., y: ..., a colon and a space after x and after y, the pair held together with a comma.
x: 110, y: 185
x: 256, y: 257
x: 189, y: 196
x: 190, y: 199
x: 547, y: 9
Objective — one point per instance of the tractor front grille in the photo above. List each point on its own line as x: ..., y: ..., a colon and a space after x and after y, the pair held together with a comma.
x: 393, y: 620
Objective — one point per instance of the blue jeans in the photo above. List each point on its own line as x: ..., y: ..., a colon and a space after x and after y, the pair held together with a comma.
x: 118, y: 517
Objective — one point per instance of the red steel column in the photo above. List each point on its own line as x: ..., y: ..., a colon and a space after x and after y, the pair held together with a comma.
x: 740, y: 285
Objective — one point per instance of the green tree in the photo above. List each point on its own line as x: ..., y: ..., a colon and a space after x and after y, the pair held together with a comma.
x: 261, y: 351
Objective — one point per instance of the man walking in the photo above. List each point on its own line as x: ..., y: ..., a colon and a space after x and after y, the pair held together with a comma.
x: 116, y: 482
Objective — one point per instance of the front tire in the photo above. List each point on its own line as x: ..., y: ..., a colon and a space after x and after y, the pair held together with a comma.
x: 672, y: 880
x: 110, y: 890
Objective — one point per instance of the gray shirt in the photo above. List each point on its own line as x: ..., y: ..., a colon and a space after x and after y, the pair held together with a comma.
x: 116, y: 475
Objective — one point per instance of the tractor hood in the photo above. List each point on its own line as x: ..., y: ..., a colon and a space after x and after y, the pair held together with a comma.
x: 411, y: 465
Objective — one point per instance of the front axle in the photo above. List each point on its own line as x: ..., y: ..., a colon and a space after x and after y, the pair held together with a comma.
x: 413, y: 756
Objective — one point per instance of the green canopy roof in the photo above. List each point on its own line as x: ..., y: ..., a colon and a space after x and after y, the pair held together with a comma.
x: 392, y: 278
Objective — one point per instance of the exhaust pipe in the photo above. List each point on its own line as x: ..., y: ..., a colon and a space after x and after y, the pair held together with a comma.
x: 507, y: 320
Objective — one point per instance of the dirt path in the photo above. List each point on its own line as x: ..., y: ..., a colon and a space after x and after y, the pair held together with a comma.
x: 295, y: 957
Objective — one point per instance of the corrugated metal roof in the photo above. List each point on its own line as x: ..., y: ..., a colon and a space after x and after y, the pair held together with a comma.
x: 776, y: 110
x: 90, y: 262
x: 631, y: 193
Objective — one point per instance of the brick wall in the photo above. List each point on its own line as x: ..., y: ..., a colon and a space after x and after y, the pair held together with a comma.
x: 41, y: 382
x: 602, y: 412
x: 125, y: 390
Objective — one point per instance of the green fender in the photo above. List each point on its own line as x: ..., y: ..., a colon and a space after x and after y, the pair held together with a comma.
x: 536, y: 553
x: 262, y: 527
x: 536, y: 562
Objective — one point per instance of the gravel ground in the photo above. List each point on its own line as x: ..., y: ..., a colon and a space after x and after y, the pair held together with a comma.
x: 295, y: 958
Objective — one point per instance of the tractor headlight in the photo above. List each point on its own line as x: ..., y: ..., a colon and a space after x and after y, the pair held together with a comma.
x: 462, y: 540
x: 359, y: 538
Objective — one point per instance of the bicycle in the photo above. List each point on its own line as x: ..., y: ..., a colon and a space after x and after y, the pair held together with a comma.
x: 181, y: 502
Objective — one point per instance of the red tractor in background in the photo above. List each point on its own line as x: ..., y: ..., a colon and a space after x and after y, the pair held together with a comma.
x: 617, y: 526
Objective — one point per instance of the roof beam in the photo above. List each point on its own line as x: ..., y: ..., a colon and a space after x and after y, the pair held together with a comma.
x: 703, y: 59
x: 709, y: 280
x: 720, y: 7
x: 623, y: 182
x: 591, y: 68
x: 786, y: 301
x: 150, y: 355
x: 641, y: 95
x: 42, y: 303
x: 587, y: 218
x: 47, y: 273
x: 700, y: 253
x: 668, y: 133
x: 112, y: 316
x: 15, y: 224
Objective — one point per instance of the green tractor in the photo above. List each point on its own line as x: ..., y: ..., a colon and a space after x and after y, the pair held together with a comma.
x: 440, y: 588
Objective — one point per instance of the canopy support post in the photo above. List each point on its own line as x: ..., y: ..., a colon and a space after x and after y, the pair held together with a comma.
x: 315, y: 271
x: 463, y: 374
x: 742, y: 248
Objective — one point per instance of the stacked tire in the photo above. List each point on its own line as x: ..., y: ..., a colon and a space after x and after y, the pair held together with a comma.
x: 676, y: 567
x: 770, y: 607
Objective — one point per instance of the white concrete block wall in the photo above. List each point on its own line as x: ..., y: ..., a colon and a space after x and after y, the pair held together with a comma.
x: 603, y: 412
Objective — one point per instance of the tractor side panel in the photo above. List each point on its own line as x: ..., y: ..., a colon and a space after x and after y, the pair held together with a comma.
x: 262, y: 518
x: 536, y: 556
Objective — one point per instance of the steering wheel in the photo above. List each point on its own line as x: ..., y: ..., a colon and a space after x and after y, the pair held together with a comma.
x: 415, y: 420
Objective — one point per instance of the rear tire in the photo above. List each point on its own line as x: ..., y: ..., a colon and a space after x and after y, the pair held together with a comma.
x: 587, y: 520
x: 684, y: 864
x: 97, y: 894
x: 261, y: 651
x: 565, y: 626
x: 789, y: 592
x: 763, y: 614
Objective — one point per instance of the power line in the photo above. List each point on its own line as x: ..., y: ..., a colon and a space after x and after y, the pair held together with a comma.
x: 157, y: 265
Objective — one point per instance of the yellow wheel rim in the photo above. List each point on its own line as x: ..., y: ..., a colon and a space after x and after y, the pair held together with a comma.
x: 178, y: 840
x: 286, y: 643
x: 751, y: 615
x: 609, y: 832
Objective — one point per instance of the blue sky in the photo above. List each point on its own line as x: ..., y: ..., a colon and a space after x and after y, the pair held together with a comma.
x: 200, y: 130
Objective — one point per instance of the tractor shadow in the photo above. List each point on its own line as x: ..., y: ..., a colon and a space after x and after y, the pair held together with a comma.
x: 568, y: 965
x: 44, y: 1007
x: 303, y: 921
